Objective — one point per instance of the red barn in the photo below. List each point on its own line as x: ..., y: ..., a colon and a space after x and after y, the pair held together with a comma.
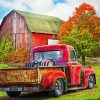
x: 29, y: 29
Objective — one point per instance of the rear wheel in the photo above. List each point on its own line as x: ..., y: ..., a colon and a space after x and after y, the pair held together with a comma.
x: 58, y: 88
x: 13, y: 93
x: 91, y: 82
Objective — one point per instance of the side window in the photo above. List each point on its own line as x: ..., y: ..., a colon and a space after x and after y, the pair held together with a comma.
x: 72, y: 55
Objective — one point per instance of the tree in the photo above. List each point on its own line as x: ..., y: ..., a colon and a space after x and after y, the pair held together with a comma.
x: 82, y: 30
x: 84, y: 43
x: 6, y: 46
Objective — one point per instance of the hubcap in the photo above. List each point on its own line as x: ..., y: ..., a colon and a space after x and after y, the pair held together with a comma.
x: 91, y: 81
x: 59, y: 87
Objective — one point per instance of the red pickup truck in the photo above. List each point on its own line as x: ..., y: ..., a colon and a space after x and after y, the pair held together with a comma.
x: 52, y: 68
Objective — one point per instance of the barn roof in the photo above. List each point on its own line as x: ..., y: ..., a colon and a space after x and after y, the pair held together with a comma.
x: 41, y: 23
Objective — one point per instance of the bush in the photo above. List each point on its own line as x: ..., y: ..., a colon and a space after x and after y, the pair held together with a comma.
x: 11, y: 56
x: 6, y: 46
x: 19, y: 57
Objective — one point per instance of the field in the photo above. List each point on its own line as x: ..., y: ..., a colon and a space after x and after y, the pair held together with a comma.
x: 88, y: 94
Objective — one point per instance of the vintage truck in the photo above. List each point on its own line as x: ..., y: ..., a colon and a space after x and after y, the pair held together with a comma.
x: 52, y: 68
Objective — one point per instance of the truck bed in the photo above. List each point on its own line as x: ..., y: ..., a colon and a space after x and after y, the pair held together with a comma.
x: 17, y: 75
x: 24, y: 75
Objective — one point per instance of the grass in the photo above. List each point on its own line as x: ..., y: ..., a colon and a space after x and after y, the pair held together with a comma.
x: 89, y: 61
x: 87, y: 94
x: 4, y: 66
x: 2, y: 94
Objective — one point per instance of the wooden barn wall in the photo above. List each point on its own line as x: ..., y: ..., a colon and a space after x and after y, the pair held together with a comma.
x: 14, y: 26
x: 39, y: 39
x: 6, y: 27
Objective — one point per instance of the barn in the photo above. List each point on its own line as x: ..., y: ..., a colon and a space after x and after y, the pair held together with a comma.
x: 29, y: 29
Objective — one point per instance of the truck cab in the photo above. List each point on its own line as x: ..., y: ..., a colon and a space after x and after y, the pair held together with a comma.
x: 52, y: 68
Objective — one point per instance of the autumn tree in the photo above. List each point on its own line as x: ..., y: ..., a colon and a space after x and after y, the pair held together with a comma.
x: 82, y: 30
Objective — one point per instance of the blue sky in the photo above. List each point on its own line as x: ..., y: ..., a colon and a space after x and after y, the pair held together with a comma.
x: 62, y: 9
x: 59, y: 1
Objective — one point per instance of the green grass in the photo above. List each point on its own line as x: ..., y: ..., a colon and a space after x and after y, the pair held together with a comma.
x: 2, y: 94
x: 97, y: 69
x: 89, y: 61
x: 4, y: 66
x: 87, y: 94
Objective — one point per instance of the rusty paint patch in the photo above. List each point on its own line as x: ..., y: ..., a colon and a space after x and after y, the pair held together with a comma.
x: 12, y: 76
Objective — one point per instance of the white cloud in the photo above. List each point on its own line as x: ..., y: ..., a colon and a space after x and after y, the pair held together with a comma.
x: 65, y: 10
x: 15, y: 4
x: 61, y: 10
x: 39, y: 6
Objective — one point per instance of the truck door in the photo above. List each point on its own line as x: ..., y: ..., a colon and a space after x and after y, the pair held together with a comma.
x: 74, y: 69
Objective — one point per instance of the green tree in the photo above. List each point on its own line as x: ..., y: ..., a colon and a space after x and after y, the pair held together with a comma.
x: 6, y: 46
x: 83, y: 43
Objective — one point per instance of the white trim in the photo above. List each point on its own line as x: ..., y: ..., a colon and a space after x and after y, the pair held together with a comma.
x: 52, y: 41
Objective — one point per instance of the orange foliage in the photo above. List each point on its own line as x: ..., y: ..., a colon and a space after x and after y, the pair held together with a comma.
x: 17, y: 56
x: 96, y: 31
x: 84, y: 17
x: 65, y: 27
x: 84, y: 9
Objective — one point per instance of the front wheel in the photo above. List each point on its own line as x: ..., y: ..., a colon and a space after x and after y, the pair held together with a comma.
x: 13, y: 93
x: 58, y: 88
x: 91, y: 82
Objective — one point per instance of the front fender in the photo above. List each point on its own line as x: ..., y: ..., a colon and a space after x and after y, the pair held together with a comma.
x: 87, y: 73
x: 49, y: 78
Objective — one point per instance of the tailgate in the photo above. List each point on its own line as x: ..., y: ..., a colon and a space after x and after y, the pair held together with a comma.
x: 18, y: 76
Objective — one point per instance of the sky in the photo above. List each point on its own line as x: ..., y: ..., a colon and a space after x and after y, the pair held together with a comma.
x: 62, y: 9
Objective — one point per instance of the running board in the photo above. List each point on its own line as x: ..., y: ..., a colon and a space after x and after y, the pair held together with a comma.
x: 76, y: 88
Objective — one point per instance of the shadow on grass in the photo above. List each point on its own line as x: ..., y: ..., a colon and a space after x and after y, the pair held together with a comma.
x: 44, y: 95
x: 29, y: 96
x: 34, y: 96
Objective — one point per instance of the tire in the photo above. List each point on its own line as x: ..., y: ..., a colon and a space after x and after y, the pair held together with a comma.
x: 58, y: 88
x: 91, y: 82
x: 47, y: 62
x: 13, y: 93
x: 50, y: 63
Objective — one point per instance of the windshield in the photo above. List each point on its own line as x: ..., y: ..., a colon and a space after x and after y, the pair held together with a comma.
x: 53, y: 55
